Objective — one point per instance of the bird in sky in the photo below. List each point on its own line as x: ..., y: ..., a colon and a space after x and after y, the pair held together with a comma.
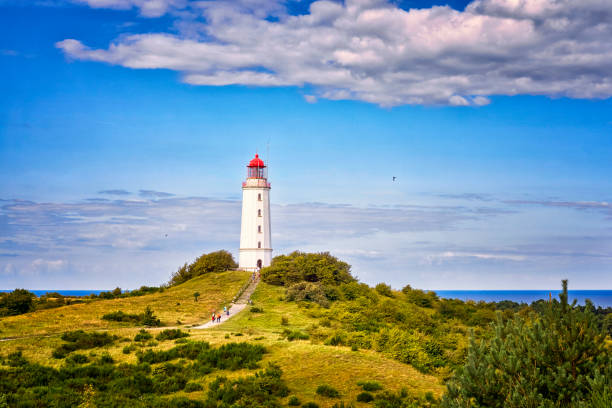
x: 394, y: 178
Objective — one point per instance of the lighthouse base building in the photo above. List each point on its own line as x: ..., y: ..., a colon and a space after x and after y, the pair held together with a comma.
x: 255, y: 242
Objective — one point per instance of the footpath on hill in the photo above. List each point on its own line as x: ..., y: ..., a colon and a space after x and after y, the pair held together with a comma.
x: 235, y: 307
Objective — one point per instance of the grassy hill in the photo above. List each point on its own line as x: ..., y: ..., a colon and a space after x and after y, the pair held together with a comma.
x: 332, y: 339
x: 305, y: 364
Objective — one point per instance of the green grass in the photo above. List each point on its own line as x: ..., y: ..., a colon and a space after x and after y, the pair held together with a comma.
x: 305, y: 365
x: 173, y: 304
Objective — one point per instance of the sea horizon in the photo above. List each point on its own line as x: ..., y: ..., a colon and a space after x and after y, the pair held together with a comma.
x: 599, y: 297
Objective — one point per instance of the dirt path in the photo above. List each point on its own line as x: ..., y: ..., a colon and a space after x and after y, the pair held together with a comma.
x: 236, y: 307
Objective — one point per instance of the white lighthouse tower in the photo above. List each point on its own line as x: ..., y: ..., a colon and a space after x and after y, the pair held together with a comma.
x: 255, y: 242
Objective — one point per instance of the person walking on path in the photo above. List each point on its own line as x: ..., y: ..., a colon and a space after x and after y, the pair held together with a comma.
x: 219, y: 318
x: 213, y: 316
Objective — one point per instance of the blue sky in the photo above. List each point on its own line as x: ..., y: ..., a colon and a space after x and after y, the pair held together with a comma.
x: 124, y: 121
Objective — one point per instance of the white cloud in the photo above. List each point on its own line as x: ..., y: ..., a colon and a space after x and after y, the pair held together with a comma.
x: 478, y: 244
x: 148, y: 8
x: 376, y: 52
x: 310, y: 98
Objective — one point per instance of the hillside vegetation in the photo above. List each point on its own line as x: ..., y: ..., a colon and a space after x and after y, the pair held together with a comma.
x: 313, y: 337
x: 170, y: 305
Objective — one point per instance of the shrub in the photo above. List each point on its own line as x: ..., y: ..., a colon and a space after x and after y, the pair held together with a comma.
x: 327, y: 391
x: 261, y: 390
x: 370, y: 385
x: 17, y: 302
x: 149, y: 319
x: 119, y: 316
x: 294, y: 401
x: 336, y: 339
x: 410, y: 347
x: 171, y: 334
x: 143, y: 335
x: 307, y: 291
x: 365, y: 397
x: 384, y: 290
x: 213, y: 262
x: 307, y: 267
x: 284, y: 321
x: 292, y: 335
x: 106, y: 358
x: 102, y: 384
x: 193, y: 386
x: 310, y: 405
x: 77, y: 359
x: 554, y: 359
x: 16, y: 359
x: 255, y: 309
x: 419, y: 297
x: 230, y: 356
x: 80, y: 340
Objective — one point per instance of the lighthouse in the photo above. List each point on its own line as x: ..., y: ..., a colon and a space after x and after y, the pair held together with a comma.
x: 255, y: 242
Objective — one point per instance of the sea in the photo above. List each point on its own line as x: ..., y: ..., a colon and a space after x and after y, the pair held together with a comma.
x: 601, y: 298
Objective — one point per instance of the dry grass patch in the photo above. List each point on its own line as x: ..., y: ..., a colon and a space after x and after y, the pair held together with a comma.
x: 306, y: 366
x: 172, y: 305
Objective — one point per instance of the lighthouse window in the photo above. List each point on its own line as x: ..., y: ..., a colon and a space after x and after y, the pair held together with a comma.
x: 259, y: 228
x: 259, y: 213
x: 259, y: 244
x: 258, y: 197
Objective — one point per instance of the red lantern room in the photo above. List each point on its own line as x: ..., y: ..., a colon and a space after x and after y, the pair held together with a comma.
x: 256, y: 168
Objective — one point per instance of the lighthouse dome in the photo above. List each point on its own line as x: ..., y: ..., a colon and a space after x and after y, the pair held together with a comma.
x: 256, y: 162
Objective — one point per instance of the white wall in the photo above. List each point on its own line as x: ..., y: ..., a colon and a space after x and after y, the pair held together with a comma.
x: 249, y: 233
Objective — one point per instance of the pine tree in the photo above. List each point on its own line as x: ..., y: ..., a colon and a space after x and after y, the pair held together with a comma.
x: 556, y: 359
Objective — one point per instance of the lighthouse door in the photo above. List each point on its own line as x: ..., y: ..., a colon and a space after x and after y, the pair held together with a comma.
x: 259, y: 263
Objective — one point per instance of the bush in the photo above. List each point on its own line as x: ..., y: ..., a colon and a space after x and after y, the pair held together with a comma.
x: 307, y: 291
x: 370, y: 385
x: 336, y: 339
x: 213, y: 262
x: 292, y: 335
x: 419, y: 297
x: 119, y: 316
x: 128, y: 349
x: 310, y: 405
x: 17, y: 302
x: 384, y: 290
x: 171, y: 334
x: 307, y: 267
x: 105, y: 385
x: 77, y: 359
x: 261, y: 390
x: 193, y: 386
x: 230, y: 356
x: 365, y: 397
x: 106, y: 358
x: 149, y: 319
x: 411, y: 347
x: 255, y: 309
x: 294, y: 401
x: 555, y: 359
x: 327, y: 391
x: 143, y: 335
x: 80, y: 340
x: 284, y: 321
